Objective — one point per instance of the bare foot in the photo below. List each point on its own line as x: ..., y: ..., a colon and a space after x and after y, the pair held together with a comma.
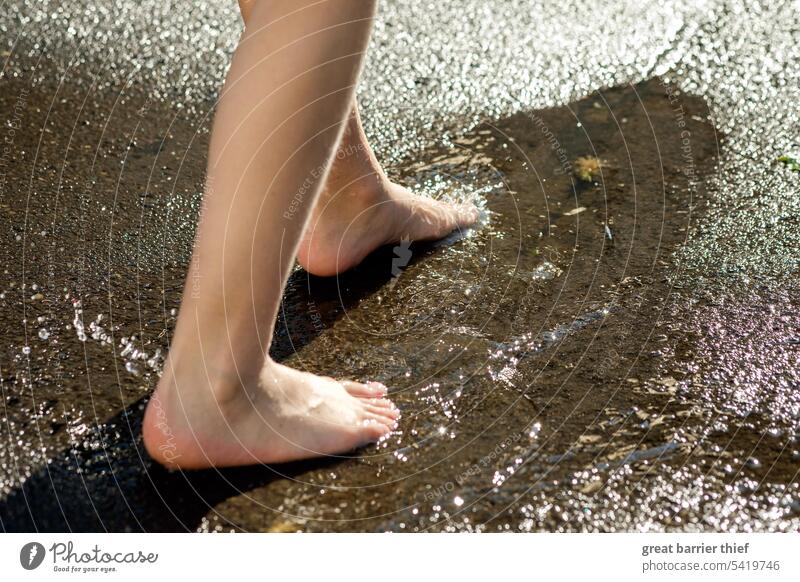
x: 287, y: 416
x: 360, y: 209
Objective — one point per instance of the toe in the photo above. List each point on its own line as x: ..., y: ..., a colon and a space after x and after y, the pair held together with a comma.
x: 390, y: 412
x: 434, y: 219
x: 368, y: 390
x: 467, y: 214
x: 382, y: 403
x: 460, y: 215
x: 370, y: 417
x: 374, y: 431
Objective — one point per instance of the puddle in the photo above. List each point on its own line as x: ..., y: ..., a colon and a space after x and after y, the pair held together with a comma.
x: 543, y: 362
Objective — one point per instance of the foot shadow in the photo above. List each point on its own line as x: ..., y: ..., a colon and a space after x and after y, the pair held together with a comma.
x: 108, y: 483
x: 312, y: 304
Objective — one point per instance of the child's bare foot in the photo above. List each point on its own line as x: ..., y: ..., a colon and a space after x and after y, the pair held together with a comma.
x: 287, y: 416
x: 360, y: 209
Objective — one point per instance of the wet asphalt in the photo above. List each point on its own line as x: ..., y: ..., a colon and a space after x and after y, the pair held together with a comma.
x: 615, y: 348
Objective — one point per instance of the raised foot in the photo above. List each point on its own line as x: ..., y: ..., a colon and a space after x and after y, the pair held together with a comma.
x: 348, y: 226
x: 289, y: 416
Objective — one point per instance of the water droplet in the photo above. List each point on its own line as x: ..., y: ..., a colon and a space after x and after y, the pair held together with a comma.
x: 753, y: 463
x: 44, y: 333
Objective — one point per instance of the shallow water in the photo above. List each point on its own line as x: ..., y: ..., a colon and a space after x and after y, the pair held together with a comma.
x: 609, y: 351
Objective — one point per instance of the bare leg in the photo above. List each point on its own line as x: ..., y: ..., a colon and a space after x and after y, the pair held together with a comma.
x: 360, y: 209
x: 221, y: 400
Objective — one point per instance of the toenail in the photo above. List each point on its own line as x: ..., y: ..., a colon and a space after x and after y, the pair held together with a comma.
x: 378, y: 386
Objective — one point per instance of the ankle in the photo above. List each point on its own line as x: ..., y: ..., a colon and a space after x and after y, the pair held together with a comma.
x: 212, y: 382
x: 355, y: 185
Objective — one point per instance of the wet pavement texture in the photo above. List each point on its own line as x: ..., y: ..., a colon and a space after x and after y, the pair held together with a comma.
x: 615, y: 347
